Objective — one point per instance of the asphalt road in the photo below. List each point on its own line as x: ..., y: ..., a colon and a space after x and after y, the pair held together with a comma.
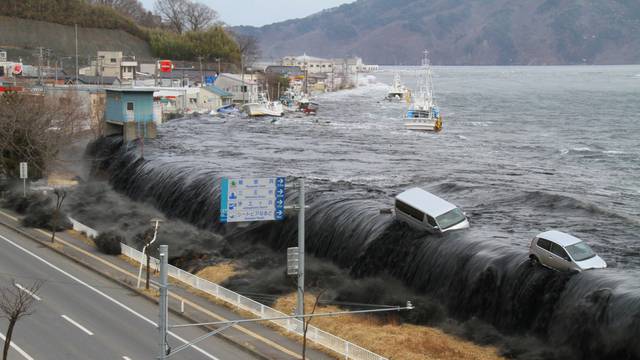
x: 82, y: 315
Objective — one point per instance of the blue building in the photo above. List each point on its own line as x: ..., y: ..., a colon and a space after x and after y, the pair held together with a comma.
x: 130, y: 112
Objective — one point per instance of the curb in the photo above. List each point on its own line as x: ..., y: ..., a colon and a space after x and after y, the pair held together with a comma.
x: 125, y: 284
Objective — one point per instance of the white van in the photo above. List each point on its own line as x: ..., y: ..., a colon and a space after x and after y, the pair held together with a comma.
x: 425, y: 211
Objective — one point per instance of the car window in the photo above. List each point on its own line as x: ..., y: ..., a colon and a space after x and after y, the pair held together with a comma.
x: 431, y: 221
x: 558, y: 250
x: 544, y: 243
x: 409, y: 210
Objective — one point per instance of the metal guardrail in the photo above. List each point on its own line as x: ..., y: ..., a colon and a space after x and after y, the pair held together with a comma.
x: 321, y: 337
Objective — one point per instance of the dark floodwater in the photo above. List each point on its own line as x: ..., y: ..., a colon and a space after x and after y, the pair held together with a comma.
x: 524, y: 149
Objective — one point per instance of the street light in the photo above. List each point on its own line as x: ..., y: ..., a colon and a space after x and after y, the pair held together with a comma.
x: 144, y: 252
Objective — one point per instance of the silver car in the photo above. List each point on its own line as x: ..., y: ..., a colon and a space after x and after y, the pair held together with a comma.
x: 563, y: 252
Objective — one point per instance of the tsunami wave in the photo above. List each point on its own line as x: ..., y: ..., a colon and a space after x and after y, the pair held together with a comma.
x: 591, y: 315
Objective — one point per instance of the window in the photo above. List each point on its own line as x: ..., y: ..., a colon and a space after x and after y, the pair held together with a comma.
x: 243, y: 88
x: 580, y: 251
x: 544, y: 244
x: 129, y: 106
x: 559, y: 251
x: 451, y: 218
x: 113, y: 60
x: 431, y: 221
x: 409, y: 210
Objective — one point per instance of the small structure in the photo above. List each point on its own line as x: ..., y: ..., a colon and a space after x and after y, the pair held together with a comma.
x: 243, y: 91
x: 130, y: 112
x: 212, y: 98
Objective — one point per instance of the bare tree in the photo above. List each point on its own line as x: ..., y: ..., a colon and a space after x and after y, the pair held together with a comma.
x: 60, y: 194
x: 248, y: 46
x: 199, y: 16
x: 16, y: 302
x: 173, y: 13
x: 306, y: 325
x: 33, y: 128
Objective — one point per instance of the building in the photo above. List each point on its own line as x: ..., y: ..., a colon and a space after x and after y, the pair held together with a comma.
x: 211, y: 98
x: 112, y: 64
x: 242, y: 90
x: 130, y: 112
x: 309, y: 63
x: 287, y: 71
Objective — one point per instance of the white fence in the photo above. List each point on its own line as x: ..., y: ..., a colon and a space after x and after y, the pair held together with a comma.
x: 332, y: 342
x: 80, y: 227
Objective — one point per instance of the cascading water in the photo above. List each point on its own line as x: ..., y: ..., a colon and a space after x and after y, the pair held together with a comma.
x: 505, y: 167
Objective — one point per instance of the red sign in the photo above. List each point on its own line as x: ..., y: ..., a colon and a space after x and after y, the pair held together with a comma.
x: 166, y: 66
x: 17, y: 69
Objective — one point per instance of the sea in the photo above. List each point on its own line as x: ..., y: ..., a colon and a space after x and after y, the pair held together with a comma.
x: 522, y: 150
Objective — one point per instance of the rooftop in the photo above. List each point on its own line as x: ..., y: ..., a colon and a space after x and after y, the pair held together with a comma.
x: 560, y: 238
x: 425, y: 201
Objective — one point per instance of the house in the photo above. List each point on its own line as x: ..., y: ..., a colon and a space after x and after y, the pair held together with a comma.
x: 130, y: 112
x: 242, y: 90
x: 311, y: 64
x: 112, y: 64
x: 212, y: 98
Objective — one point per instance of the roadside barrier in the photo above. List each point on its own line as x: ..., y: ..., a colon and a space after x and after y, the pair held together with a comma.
x: 332, y: 342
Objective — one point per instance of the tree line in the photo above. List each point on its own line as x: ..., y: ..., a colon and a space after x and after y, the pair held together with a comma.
x: 176, y: 29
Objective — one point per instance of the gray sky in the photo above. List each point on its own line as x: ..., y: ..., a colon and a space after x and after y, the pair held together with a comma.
x: 262, y: 12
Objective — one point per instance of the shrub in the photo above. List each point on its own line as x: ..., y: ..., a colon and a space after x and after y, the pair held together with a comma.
x: 109, y: 243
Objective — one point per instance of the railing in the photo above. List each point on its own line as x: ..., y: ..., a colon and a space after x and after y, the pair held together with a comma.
x: 332, y: 342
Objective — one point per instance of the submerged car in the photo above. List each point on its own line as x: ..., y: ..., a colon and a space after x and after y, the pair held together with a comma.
x: 563, y: 252
x: 425, y: 211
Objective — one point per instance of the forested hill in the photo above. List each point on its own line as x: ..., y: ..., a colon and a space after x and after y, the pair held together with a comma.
x: 464, y: 32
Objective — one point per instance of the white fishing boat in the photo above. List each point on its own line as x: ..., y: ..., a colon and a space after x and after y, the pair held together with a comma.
x: 397, y: 91
x: 263, y: 107
x: 424, y: 114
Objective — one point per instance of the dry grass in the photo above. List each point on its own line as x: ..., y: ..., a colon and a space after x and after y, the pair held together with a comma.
x: 218, y: 273
x: 395, y: 341
x: 80, y: 236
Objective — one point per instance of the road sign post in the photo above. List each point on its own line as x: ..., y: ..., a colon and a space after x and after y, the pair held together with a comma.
x: 24, y: 174
x: 300, y: 306
x: 163, y: 321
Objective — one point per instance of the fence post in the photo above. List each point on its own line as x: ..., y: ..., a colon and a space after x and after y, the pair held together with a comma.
x: 346, y: 350
x: 261, y: 310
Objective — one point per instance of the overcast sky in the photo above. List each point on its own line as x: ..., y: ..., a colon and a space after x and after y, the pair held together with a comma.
x: 262, y: 12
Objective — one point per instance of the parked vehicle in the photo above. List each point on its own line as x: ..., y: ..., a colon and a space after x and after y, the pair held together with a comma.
x: 563, y: 252
x: 425, y: 211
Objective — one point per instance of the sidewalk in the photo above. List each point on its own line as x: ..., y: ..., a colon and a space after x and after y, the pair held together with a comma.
x: 253, y: 337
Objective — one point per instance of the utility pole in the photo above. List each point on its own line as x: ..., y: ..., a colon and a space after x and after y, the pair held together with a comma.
x: 242, y: 86
x: 218, y: 60
x: 300, y: 304
x: 40, y: 55
x: 77, y: 73
x: 163, y: 321
x: 201, y: 73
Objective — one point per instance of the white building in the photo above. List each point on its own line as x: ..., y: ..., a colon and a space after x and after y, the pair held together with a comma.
x: 308, y: 63
x: 246, y: 90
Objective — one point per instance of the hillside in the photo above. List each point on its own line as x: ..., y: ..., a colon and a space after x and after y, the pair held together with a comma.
x: 464, y: 32
x: 21, y: 38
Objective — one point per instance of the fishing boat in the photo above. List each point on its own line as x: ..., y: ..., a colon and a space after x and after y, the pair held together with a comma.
x: 397, y: 91
x: 309, y: 107
x: 424, y: 114
x: 263, y: 107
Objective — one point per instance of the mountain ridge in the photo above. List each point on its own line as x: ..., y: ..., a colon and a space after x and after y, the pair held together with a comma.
x: 463, y: 32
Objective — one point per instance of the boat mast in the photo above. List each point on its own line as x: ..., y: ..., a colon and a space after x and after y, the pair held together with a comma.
x: 426, y: 86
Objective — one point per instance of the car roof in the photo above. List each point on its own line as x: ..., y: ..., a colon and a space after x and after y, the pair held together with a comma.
x: 425, y: 201
x: 560, y: 238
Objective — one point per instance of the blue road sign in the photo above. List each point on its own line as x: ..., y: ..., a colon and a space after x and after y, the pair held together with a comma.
x: 252, y: 199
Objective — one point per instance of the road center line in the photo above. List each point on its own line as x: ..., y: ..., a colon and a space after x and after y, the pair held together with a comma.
x: 17, y: 348
x: 118, y: 303
x: 28, y: 292
x: 77, y: 325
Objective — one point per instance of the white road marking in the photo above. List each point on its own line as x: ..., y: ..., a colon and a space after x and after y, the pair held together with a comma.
x: 126, y: 358
x: 77, y: 325
x: 28, y: 292
x: 17, y: 348
x: 121, y: 305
